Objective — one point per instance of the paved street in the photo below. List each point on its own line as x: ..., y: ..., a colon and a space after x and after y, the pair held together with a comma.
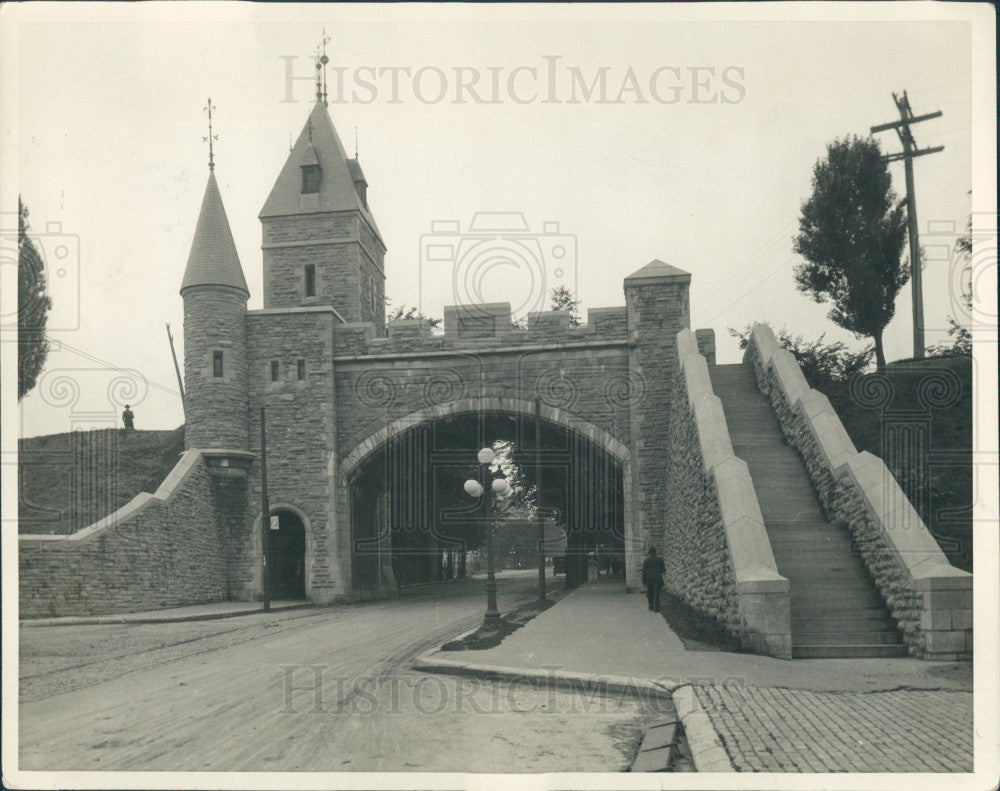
x: 306, y: 690
x: 782, y: 730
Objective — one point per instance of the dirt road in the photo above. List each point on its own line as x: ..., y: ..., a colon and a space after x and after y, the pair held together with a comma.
x: 309, y: 690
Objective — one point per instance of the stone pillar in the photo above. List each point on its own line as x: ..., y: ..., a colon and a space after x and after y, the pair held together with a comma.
x: 657, y: 303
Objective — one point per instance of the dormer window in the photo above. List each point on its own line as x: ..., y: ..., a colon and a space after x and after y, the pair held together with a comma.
x: 310, y: 179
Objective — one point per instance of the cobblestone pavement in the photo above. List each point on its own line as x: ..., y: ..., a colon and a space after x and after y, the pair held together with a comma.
x: 785, y: 730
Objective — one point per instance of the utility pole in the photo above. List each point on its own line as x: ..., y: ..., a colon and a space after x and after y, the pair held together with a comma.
x: 538, y: 499
x: 265, y: 517
x: 908, y: 154
x: 177, y: 368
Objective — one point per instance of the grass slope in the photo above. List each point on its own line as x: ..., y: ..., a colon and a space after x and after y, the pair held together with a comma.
x: 69, y: 481
x: 917, y: 416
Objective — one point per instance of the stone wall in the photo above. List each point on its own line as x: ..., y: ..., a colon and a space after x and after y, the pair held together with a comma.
x: 301, y: 441
x: 658, y: 307
x: 718, y: 555
x: 344, y: 252
x: 166, y: 549
x: 215, y: 407
x: 929, y: 598
x: 574, y: 370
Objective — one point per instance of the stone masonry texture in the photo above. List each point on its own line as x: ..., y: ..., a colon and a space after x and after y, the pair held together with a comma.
x: 348, y: 258
x: 699, y: 569
x: 169, y: 554
x: 843, y: 504
x: 215, y: 408
x: 656, y: 313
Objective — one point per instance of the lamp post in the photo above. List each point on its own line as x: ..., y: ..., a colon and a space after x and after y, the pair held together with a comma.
x: 500, y: 488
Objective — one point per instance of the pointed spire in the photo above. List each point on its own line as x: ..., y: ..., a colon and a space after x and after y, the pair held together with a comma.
x: 213, y: 260
x: 319, y: 144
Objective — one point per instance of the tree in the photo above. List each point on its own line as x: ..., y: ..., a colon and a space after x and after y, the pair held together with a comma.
x: 33, y: 307
x: 403, y: 313
x: 823, y: 364
x: 564, y: 299
x: 561, y: 298
x: 851, y: 233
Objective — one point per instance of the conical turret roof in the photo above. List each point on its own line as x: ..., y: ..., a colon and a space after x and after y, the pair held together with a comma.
x: 213, y: 260
x: 318, y: 143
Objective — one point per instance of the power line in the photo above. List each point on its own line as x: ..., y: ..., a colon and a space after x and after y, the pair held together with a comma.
x: 112, y: 366
x: 907, y: 155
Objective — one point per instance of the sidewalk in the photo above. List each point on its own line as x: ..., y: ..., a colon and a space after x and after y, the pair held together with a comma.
x: 195, y: 612
x: 813, y: 715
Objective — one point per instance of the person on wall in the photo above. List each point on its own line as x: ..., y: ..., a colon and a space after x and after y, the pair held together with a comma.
x: 653, y: 568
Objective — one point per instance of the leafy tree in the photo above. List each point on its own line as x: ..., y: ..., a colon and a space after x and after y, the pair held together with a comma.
x: 561, y: 298
x: 851, y: 233
x: 564, y: 299
x: 404, y: 313
x: 33, y: 307
x: 823, y: 364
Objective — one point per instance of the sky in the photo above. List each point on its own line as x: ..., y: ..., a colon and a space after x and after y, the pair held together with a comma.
x: 699, y: 151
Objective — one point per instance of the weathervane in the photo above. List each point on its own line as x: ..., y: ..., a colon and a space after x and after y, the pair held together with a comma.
x: 211, y: 137
x: 321, y: 61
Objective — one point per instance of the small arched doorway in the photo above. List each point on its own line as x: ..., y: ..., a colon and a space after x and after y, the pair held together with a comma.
x: 286, y: 556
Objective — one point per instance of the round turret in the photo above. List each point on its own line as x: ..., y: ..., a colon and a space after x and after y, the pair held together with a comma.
x: 216, y: 395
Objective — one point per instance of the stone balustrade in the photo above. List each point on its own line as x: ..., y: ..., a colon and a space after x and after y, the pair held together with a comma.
x: 719, y: 530
x: 930, y: 599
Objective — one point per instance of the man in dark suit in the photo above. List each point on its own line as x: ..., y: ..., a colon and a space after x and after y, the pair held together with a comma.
x: 652, y: 577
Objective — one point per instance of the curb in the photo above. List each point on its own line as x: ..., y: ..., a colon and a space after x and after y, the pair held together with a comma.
x: 707, y: 751
x: 585, y: 682
x: 105, y: 620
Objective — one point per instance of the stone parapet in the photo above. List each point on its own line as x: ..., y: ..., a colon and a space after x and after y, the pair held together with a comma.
x: 930, y: 599
x: 752, y: 596
x: 160, y: 550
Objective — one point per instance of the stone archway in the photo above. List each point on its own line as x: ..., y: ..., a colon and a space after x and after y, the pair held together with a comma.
x: 286, y: 554
x: 355, y: 463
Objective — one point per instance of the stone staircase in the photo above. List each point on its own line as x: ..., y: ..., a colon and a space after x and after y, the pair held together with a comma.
x: 836, y: 609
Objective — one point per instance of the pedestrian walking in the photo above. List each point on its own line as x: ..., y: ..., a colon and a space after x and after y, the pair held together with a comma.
x: 652, y: 577
x: 592, y: 568
x: 127, y: 417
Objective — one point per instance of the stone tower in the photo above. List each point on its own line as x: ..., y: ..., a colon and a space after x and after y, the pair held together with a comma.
x: 321, y: 246
x: 215, y: 297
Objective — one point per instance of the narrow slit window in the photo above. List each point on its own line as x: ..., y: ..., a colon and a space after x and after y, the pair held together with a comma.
x: 310, y: 280
x: 302, y: 369
x: 274, y: 370
x: 217, y: 364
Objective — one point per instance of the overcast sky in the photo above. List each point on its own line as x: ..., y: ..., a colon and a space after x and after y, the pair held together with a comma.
x: 698, y: 151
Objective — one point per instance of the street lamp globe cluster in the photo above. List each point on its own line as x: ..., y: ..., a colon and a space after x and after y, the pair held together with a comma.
x: 500, y: 488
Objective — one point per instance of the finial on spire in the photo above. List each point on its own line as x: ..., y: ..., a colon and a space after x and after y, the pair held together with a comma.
x: 321, y: 61
x: 211, y: 137
x: 355, y: 141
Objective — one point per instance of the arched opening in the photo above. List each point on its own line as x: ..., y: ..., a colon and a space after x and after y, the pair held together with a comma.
x: 286, y: 556
x: 412, y: 522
